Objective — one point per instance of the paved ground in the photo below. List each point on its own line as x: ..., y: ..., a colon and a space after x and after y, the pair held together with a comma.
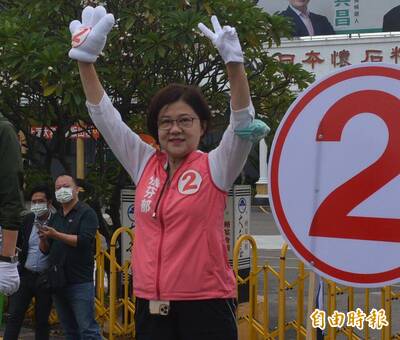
x: 27, y: 333
x: 269, y: 242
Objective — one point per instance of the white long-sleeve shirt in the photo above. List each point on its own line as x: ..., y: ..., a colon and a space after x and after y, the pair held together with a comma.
x: 226, y: 161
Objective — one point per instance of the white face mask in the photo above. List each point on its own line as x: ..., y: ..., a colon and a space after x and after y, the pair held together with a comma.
x: 39, y: 209
x: 64, y: 195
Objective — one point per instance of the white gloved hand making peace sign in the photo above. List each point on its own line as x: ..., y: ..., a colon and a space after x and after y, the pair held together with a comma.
x: 90, y: 35
x: 225, y: 39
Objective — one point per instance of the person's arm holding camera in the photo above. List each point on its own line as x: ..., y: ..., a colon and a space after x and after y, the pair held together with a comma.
x: 47, y: 232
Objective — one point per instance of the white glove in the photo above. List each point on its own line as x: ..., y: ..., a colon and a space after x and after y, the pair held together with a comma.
x: 225, y: 40
x: 89, y: 37
x: 9, y: 278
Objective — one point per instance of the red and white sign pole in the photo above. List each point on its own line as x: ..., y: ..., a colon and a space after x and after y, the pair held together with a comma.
x: 334, y: 184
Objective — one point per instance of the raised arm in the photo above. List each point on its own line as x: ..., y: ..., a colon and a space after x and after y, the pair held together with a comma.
x: 226, y: 40
x: 228, y: 159
x: 88, y: 40
x: 92, y: 87
x: 240, y: 91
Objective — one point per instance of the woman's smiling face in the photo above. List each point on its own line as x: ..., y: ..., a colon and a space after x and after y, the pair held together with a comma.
x: 179, y: 130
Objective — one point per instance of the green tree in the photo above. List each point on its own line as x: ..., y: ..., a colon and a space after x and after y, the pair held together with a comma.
x: 154, y: 42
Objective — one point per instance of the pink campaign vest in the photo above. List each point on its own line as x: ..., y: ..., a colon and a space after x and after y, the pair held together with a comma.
x: 180, y: 250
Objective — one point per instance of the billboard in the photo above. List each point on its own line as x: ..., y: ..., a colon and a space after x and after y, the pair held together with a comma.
x: 323, y: 55
x: 348, y: 16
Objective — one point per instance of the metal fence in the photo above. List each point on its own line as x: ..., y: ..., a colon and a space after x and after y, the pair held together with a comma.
x: 339, y: 299
x: 265, y: 316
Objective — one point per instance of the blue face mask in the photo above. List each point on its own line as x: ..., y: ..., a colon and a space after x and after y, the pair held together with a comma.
x: 256, y: 131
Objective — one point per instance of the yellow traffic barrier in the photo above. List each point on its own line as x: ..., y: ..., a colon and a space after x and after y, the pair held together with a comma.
x: 115, y: 307
x: 102, y: 310
x: 121, y: 308
x: 252, y: 278
x: 258, y: 327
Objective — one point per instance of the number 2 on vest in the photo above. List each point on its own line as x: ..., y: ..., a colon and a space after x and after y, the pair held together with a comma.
x: 189, y: 182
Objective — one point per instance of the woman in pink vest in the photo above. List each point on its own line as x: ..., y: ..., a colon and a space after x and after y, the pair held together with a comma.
x: 184, y: 285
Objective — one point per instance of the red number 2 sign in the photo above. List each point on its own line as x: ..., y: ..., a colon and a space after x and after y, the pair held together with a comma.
x: 331, y: 218
x: 334, y: 179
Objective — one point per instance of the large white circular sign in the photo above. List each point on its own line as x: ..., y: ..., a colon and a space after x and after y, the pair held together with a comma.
x: 334, y: 175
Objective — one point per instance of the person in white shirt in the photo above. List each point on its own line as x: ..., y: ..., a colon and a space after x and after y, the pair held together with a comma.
x: 179, y: 181
x: 32, y: 263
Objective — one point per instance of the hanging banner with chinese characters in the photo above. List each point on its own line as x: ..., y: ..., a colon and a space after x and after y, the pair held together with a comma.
x: 322, y: 56
x: 75, y: 131
x: 346, y: 16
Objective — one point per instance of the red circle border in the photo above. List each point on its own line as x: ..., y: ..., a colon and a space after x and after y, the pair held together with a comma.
x: 375, y: 278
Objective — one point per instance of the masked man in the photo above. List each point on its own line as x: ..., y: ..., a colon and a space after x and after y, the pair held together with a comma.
x: 70, y: 243
x: 32, y: 263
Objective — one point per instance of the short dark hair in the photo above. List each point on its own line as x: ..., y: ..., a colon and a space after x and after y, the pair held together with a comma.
x: 172, y: 93
x: 74, y: 180
x: 44, y: 188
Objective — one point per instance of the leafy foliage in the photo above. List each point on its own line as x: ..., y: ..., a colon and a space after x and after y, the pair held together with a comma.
x: 154, y: 43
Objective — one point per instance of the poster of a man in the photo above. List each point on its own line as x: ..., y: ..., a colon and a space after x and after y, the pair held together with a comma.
x: 345, y: 16
x: 391, y: 20
x: 306, y: 22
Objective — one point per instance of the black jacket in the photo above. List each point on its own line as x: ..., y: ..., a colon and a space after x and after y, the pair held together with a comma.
x: 23, y: 238
x: 24, y: 235
x: 391, y: 20
x: 320, y: 23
